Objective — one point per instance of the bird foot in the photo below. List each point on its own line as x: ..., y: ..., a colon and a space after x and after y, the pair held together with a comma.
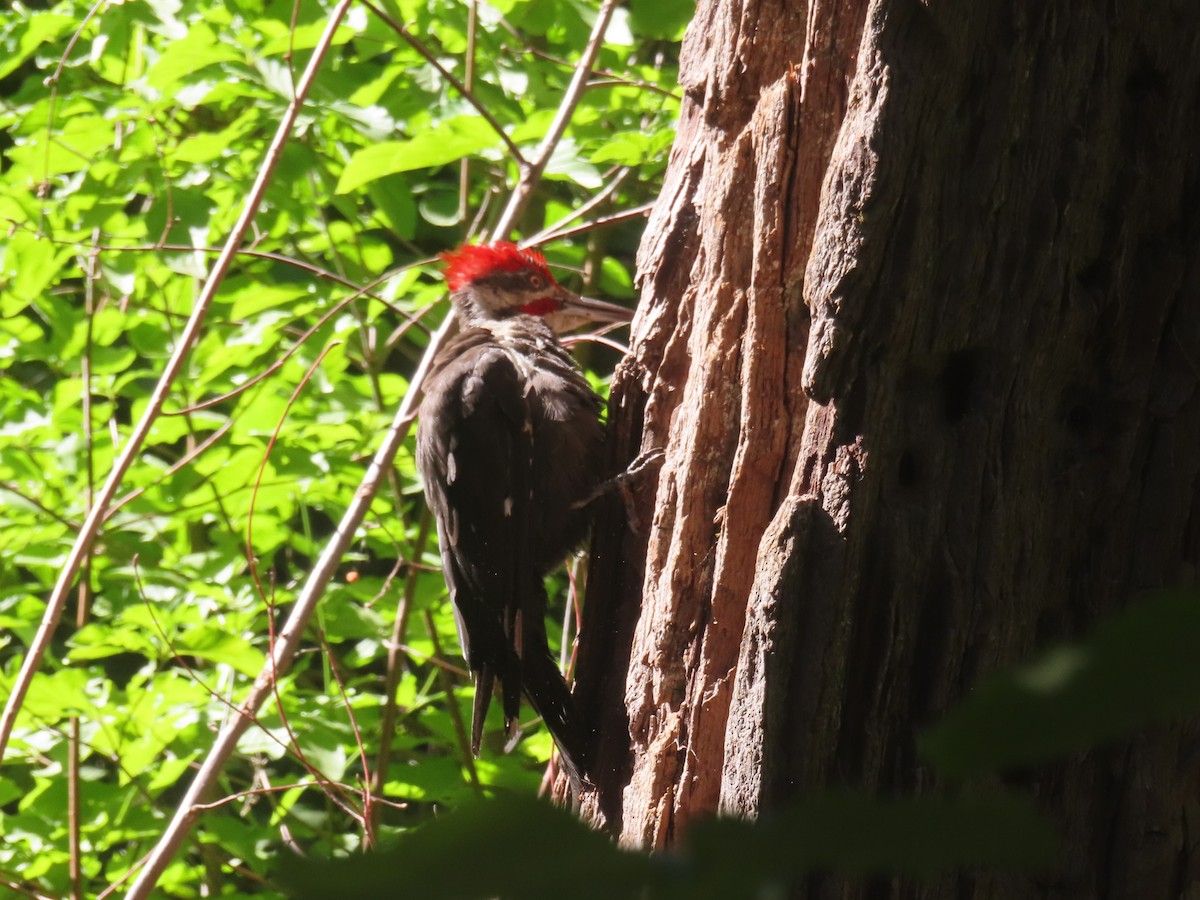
x: 624, y: 484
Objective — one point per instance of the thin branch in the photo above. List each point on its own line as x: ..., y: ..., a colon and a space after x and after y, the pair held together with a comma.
x: 409, y: 321
x: 615, y: 78
x: 464, y: 166
x: 395, y: 647
x: 174, y: 836
x: 288, y: 642
x: 10, y: 882
x: 368, y: 801
x: 34, y: 501
x: 460, y: 730
x: 532, y: 174
x: 466, y: 92
x: 311, y: 268
x: 622, y: 216
x: 52, y: 83
x: 184, y: 460
x: 544, y: 235
x: 268, y: 600
x: 74, y: 779
x: 434, y: 660
x: 91, y: 526
x: 572, y: 340
x: 254, y: 792
x: 328, y: 786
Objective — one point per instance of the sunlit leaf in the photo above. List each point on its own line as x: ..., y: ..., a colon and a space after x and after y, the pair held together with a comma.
x: 1138, y: 668
x: 451, y: 141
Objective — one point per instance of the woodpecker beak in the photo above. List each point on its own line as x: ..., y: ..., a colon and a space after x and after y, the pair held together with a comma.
x: 577, y: 311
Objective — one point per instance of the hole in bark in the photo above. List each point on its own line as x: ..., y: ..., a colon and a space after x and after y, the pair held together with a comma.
x: 1146, y: 77
x: 1020, y: 777
x: 908, y: 472
x: 931, y: 681
x: 1051, y: 626
x: 1080, y: 419
x: 850, y: 412
x: 958, y: 384
x: 1080, y: 412
x: 1095, y: 276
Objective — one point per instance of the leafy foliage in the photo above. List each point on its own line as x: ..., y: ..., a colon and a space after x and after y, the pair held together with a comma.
x: 131, y: 135
x: 1137, y: 670
x: 523, y: 848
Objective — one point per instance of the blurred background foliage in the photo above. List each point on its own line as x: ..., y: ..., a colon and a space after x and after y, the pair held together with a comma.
x: 130, y: 134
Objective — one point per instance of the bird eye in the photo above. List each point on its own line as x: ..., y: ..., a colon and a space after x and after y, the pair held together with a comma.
x: 537, y: 282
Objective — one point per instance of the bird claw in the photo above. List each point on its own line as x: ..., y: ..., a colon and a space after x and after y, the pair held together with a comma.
x: 639, y: 465
x: 621, y: 483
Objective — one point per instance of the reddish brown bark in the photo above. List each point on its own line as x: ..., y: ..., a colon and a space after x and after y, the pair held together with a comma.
x: 920, y: 336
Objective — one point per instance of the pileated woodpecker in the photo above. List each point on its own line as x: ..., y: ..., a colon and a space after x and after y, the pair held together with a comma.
x: 509, y: 448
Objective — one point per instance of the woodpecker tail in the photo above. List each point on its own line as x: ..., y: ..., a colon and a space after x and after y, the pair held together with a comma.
x: 548, y: 694
x: 510, y: 690
x: 484, y: 679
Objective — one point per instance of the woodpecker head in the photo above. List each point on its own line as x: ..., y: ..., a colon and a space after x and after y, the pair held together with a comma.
x: 493, y: 282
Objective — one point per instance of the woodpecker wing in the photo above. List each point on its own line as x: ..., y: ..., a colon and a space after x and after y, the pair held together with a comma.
x: 475, y: 456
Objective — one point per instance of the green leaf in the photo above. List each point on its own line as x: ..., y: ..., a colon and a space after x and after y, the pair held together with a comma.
x: 41, y: 28
x: 1139, y: 667
x: 183, y: 59
x: 663, y: 19
x: 856, y: 833
x: 450, y: 141
x: 500, y: 838
x: 524, y: 848
x: 213, y: 643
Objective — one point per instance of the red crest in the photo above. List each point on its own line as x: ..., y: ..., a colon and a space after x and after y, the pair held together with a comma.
x: 471, y: 261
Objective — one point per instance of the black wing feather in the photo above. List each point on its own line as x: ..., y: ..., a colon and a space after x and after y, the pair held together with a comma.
x: 480, y: 482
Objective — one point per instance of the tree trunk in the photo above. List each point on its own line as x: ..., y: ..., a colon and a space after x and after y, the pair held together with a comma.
x: 920, y: 336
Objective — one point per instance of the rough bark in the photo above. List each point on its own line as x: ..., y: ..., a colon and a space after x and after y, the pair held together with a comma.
x: 920, y: 336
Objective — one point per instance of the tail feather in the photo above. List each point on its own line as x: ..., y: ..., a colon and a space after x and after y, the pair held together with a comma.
x: 485, y: 678
x: 510, y: 689
x: 549, y: 694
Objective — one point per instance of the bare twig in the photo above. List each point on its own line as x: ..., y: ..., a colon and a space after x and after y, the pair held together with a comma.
x: 184, y: 460
x: 268, y: 599
x: 368, y: 801
x: 532, y: 174
x: 394, y: 668
x: 74, y: 779
x: 34, y: 501
x: 614, y: 78
x: 460, y: 730
x: 434, y: 660
x: 52, y: 82
x: 572, y: 340
x: 331, y: 788
x: 10, y: 882
x: 608, y: 190
x: 466, y: 92
x: 599, y: 222
x: 409, y: 322
x: 244, y: 251
x: 464, y: 166
x: 91, y: 526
